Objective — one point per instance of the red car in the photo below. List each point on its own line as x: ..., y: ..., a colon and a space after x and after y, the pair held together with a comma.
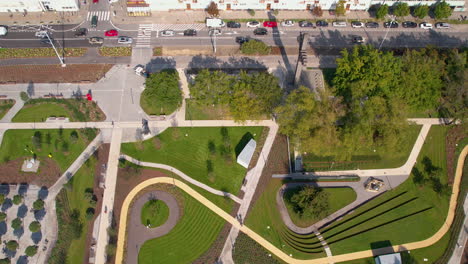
x: 95, y: 1
x: 270, y: 24
x: 111, y: 33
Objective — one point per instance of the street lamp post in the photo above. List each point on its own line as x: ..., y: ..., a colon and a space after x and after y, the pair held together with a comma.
x: 62, y: 62
x: 388, y: 29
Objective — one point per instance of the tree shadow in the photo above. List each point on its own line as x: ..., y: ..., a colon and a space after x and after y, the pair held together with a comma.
x: 39, y: 214
x: 8, y: 253
x: 380, y: 244
x: 242, y: 143
x: 22, y: 260
x: 18, y: 232
x: 30, y: 89
x: 36, y: 237
x: 160, y: 63
x: 23, y: 188
x: 22, y: 211
x: 4, y: 189
x: 7, y: 204
x: 3, y: 228
x: 43, y: 193
x: 279, y: 43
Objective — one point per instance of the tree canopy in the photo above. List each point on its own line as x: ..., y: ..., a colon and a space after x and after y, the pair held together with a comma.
x: 255, y: 47
x: 211, y: 87
x: 38, y: 204
x: 382, y: 11
x: 212, y: 9
x: 401, y: 9
x: 340, y: 9
x: 421, y: 11
x: 162, y: 94
x: 12, y: 245
x: 442, y: 10
x: 31, y: 251
x: 310, y: 201
x: 35, y: 226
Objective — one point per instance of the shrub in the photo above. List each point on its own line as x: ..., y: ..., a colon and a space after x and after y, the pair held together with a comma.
x: 24, y: 96
x: 16, y: 223
x: 251, y: 12
x: 2, y: 216
x: 255, y: 47
x: 35, y: 227
x: 31, y: 251
x: 89, y: 213
x: 74, y: 136
x: 38, y: 204
x: 12, y: 245
x: 17, y: 199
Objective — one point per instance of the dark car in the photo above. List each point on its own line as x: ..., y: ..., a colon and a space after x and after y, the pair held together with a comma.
x: 233, y: 24
x: 260, y: 31
x: 190, y: 32
x: 47, y: 41
x: 306, y: 24
x: 372, y: 25
x: 409, y: 24
x: 242, y: 40
x: 321, y: 23
x: 390, y: 24
x: 358, y: 39
x: 81, y: 32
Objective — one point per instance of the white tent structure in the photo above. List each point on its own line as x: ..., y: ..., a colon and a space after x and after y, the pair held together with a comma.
x: 246, y: 154
x: 389, y: 259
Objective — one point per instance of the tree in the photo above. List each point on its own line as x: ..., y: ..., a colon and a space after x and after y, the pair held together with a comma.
x: 340, y: 8
x: 310, y: 122
x: 17, y: 199
x: 310, y: 202
x: 16, y: 223
x: 455, y: 90
x: 442, y: 10
x: 74, y: 136
x: 31, y: 251
x: 212, y: 9
x: 211, y: 87
x: 401, y: 9
x: 162, y: 94
x: 251, y: 12
x: 89, y: 213
x: 5, y: 261
x: 12, y: 245
x: 35, y: 227
x: 254, y: 96
x: 382, y: 11
x: 255, y: 47
x: 2, y: 216
x: 38, y: 204
x: 24, y: 96
x: 317, y: 11
x: 421, y: 11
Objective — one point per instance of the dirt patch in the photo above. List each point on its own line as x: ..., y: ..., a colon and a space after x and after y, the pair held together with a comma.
x: 47, y: 175
x: 73, y: 73
x: 454, y: 136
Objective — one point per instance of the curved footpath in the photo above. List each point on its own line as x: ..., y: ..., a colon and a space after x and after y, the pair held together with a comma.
x: 138, y: 233
x: 267, y: 245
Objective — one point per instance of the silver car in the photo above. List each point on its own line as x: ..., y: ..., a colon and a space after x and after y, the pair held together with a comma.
x: 167, y: 33
x: 125, y: 40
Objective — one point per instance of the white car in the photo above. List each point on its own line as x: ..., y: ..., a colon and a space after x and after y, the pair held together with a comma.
x: 425, y: 25
x: 253, y: 24
x: 167, y: 33
x: 3, y: 30
x: 287, y: 23
x: 339, y: 24
x: 442, y: 25
x: 40, y: 34
x: 124, y: 40
x: 357, y: 24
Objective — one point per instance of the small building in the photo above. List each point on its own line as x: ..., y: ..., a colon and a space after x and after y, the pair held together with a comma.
x: 26, y: 6
x: 246, y: 154
x: 394, y: 258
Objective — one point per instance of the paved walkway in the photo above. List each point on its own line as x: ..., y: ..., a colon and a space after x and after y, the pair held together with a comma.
x: 138, y: 233
x: 268, y: 246
x: 182, y: 175
x: 459, y: 249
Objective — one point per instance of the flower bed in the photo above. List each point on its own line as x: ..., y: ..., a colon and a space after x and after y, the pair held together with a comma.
x: 15, y: 53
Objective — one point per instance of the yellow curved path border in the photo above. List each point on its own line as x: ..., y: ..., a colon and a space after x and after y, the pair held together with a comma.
x: 267, y: 245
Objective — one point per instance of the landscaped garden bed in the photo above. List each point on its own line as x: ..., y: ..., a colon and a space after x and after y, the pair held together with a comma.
x: 77, y: 110
x: 115, y: 51
x: 5, y: 106
x: 15, y: 53
x: 162, y: 95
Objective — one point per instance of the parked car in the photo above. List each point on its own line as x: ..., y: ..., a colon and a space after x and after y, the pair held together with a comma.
x: 242, y: 40
x: 111, y: 33
x: 3, y: 30
x: 96, y: 40
x: 233, y: 24
x: 425, y: 25
x: 306, y: 24
x: 95, y: 1
x: 409, y: 24
x: 271, y: 24
x: 442, y: 25
x: 140, y: 70
x: 40, y: 34
x: 167, y: 33
x: 339, y: 24
x: 81, y: 32
x: 125, y: 40
x: 372, y: 25
x: 357, y: 24
x: 253, y: 24
x: 215, y: 31
x: 390, y: 24
x: 287, y: 23
x: 260, y: 31
x: 190, y: 32
x: 322, y: 23
x: 358, y: 39
x: 94, y: 21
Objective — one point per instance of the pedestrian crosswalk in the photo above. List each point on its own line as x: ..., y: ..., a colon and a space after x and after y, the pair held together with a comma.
x: 102, y: 15
x: 178, y: 27
x: 144, y: 36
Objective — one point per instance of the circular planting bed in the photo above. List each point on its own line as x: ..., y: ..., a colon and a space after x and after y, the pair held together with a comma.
x: 154, y: 213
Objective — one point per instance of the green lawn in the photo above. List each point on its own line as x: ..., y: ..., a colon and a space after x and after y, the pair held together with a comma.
x: 366, y: 158
x: 196, y: 230
x: 154, y: 213
x: 38, y: 110
x: 195, y: 111
x: 265, y: 219
x: 247, y: 251
x: 337, y: 199
x: 19, y: 143
x: 407, y: 213
x: 5, y: 106
x: 201, y: 153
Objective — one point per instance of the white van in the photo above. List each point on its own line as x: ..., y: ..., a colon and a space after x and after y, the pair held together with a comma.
x: 339, y: 24
x: 3, y: 30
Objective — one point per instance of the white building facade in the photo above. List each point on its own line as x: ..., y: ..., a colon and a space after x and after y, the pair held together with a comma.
x: 23, y: 6
x: 166, y: 5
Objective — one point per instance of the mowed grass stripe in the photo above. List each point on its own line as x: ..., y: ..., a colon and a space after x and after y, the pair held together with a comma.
x: 190, y: 238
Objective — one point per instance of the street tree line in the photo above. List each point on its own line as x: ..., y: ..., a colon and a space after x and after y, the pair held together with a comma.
x: 372, y: 95
x: 440, y: 10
